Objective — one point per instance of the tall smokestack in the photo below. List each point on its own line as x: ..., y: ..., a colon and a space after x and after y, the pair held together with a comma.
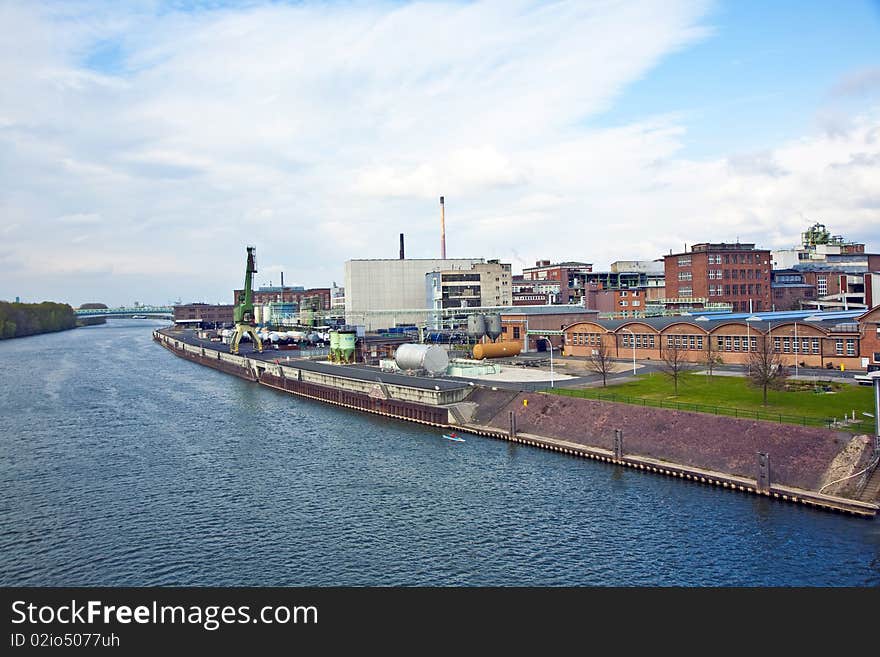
x: 401, y: 246
x: 282, y: 279
x: 442, y: 230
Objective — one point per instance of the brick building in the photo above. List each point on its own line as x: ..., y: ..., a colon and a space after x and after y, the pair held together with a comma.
x: 206, y: 315
x: 811, y: 343
x: 264, y: 295
x: 738, y: 274
x: 569, y: 275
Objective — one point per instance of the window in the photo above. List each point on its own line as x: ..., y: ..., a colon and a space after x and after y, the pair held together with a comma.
x: 776, y: 344
x: 685, y: 291
x: 692, y: 342
x: 726, y: 290
x: 850, y: 347
x: 669, y: 341
x: 720, y: 342
x: 733, y: 274
x: 685, y: 276
x: 699, y: 342
x: 623, y: 303
x: 815, y: 345
x: 727, y: 343
x: 838, y: 347
x: 516, y: 332
x: 794, y: 345
x: 636, y: 302
x: 726, y: 259
x: 624, y: 293
x: 877, y: 356
x: 805, y: 345
x: 785, y: 345
x: 822, y: 285
x: 684, y: 261
x: 736, y: 343
x: 753, y: 344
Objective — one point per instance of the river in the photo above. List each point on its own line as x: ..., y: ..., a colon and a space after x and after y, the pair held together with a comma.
x: 124, y: 465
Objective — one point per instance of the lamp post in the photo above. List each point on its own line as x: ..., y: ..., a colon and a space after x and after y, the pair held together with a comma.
x: 796, y: 350
x: 634, y: 348
x: 550, y: 346
x: 749, y: 343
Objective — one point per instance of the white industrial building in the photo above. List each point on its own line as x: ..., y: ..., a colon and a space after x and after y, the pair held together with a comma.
x: 376, y: 289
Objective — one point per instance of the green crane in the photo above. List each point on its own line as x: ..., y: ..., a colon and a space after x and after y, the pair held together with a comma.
x: 244, y: 309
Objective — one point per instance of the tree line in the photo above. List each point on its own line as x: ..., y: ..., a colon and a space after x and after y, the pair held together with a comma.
x: 21, y: 319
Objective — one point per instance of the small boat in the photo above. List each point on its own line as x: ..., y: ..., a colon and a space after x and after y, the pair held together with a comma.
x: 453, y: 436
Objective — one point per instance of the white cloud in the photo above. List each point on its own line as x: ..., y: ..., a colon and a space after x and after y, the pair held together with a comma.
x: 320, y: 131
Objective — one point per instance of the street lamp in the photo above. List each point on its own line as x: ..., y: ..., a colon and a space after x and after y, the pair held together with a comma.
x: 550, y: 345
x: 634, y: 348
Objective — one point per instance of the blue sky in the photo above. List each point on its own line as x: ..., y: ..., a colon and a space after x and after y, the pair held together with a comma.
x: 143, y: 144
x: 760, y: 76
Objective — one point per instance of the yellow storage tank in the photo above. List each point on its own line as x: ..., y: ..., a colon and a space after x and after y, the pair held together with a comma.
x: 497, y: 350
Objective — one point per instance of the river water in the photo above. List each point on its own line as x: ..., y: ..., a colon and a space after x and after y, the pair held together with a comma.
x: 121, y: 464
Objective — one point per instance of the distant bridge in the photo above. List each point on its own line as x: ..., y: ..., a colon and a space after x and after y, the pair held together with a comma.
x: 136, y: 312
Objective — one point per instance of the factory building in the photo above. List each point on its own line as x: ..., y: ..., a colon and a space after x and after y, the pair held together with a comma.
x: 822, y: 340
x: 204, y: 314
x: 377, y: 290
x: 482, y: 285
x: 738, y: 274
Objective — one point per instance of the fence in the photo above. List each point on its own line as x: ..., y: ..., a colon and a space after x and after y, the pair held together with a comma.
x: 806, y: 421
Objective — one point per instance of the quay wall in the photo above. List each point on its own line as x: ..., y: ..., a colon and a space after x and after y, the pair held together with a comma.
x: 799, y: 456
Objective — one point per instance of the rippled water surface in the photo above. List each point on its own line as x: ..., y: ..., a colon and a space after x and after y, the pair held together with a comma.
x: 122, y: 464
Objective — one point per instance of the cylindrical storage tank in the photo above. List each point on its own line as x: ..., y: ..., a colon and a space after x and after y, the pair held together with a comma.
x: 476, y: 326
x: 493, y: 326
x: 497, y: 350
x: 334, y: 345
x: 258, y: 314
x: 428, y: 357
x: 347, y: 342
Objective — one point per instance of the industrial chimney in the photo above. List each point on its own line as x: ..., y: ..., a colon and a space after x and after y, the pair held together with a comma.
x: 442, y: 230
x: 401, y: 246
x: 282, y: 279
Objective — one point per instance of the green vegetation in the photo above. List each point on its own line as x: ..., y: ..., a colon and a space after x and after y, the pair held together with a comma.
x: 799, y: 403
x: 20, y: 319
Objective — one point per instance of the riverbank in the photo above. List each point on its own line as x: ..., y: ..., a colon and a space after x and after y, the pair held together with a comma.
x: 715, y: 450
x: 18, y: 320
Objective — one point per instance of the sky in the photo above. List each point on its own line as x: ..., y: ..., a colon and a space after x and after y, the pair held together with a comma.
x: 144, y: 144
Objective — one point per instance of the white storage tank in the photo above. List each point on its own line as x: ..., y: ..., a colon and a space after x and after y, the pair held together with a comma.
x: 430, y: 357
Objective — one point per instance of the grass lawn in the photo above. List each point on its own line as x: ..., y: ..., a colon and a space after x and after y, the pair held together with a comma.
x: 728, y: 395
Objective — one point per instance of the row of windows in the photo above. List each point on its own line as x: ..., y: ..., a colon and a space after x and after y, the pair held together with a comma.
x: 685, y: 275
x: 623, y: 303
x: 684, y: 261
x: 850, y: 347
x: 645, y: 340
x: 592, y: 339
x: 734, y: 290
x: 736, y: 343
x: 796, y: 345
x: 684, y: 341
x: 735, y: 274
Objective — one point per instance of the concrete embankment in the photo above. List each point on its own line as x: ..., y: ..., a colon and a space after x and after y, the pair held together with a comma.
x: 716, y: 450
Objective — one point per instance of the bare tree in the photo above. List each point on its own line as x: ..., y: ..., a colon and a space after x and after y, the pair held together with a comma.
x: 765, y: 366
x: 711, y: 358
x: 674, y: 363
x: 600, y: 360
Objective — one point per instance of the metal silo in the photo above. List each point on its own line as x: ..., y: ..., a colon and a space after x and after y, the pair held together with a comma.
x: 476, y: 326
x: 334, y: 346
x: 347, y: 342
x: 493, y: 326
